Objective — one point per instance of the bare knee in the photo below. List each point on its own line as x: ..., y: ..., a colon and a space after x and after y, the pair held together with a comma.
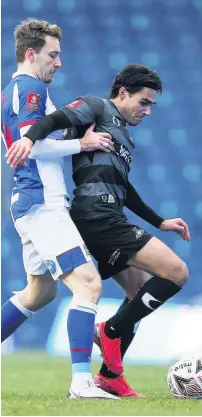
x: 179, y: 273
x: 184, y: 273
x: 92, y: 285
x: 84, y: 282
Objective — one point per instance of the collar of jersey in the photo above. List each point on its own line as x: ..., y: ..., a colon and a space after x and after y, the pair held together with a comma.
x: 119, y: 113
x: 22, y: 73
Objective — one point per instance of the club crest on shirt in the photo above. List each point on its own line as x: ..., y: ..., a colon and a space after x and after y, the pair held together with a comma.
x: 33, y: 101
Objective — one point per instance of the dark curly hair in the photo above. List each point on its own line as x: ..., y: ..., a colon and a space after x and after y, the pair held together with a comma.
x: 135, y: 77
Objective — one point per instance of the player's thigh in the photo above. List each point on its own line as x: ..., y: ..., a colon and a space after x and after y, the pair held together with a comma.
x: 84, y: 282
x: 40, y: 290
x: 131, y: 279
x: 57, y: 240
x: 158, y: 259
x: 33, y: 262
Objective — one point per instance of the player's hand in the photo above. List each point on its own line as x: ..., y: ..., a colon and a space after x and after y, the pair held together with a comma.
x: 93, y: 141
x: 18, y: 152
x: 176, y: 225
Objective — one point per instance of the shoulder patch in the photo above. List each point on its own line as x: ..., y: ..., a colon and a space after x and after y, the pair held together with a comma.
x: 75, y: 104
x: 33, y: 101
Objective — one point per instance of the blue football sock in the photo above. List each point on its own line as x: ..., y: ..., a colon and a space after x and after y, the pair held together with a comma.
x: 80, y: 326
x: 13, y: 314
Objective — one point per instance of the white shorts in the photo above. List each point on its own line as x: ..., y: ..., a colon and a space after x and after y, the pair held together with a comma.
x: 51, y: 241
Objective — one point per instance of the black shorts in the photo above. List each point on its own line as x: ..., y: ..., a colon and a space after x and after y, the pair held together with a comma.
x: 112, y: 241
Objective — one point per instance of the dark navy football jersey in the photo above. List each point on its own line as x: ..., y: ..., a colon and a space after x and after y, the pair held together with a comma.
x: 101, y: 178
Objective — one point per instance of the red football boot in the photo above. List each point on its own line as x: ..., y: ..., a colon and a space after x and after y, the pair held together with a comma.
x: 117, y: 386
x: 110, y: 348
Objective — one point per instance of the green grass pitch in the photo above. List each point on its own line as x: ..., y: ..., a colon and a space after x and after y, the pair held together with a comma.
x: 35, y: 384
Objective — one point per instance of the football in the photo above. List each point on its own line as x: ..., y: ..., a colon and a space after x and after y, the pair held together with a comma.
x: 185, y: 378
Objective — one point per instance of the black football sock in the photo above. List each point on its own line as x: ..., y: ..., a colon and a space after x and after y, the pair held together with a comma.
x: 149, y: 297
x: 125, y: 343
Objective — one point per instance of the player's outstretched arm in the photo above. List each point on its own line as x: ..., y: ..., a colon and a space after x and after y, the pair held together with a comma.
x: 21, y: 149
x: 137, y: 205
x: 49, y: 149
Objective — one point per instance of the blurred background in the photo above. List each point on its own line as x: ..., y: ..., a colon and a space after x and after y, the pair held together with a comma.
x: 99, y: 38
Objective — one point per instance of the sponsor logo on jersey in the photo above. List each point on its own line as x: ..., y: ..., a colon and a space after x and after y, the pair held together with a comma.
x: 51, y: 265
x: 75, y: 104
x: 33, y: 101
x: 124, y: 153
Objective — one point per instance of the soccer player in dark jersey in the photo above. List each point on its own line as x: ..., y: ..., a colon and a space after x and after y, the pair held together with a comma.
x: 102, y: 190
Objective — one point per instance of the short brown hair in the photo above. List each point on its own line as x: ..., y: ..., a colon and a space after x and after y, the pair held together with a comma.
x: 31, y: 34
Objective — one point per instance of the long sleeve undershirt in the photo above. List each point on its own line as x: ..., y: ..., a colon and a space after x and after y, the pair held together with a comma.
x: 137, y: 205
x: 54, y: 149
x: 50, y: 148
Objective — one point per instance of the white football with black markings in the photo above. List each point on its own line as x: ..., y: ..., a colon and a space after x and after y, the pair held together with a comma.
x: 185, y: 378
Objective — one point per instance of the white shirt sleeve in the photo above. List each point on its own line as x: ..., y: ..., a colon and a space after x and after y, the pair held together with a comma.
x: 54, y: 149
